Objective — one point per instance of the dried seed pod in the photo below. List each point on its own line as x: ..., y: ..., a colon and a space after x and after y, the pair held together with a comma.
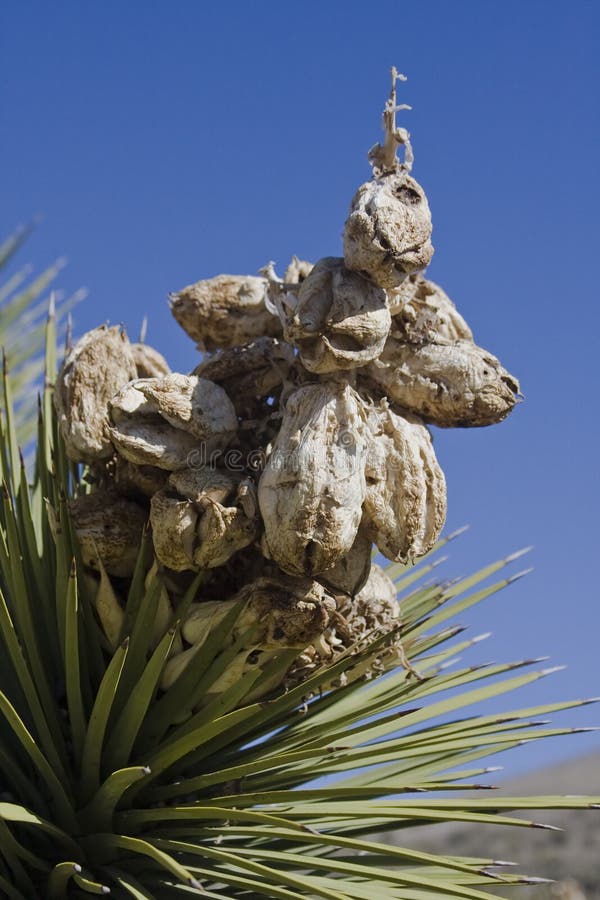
x: 387, y: 235
x: 224, y: 311
x: 109, y: 529
x: 375, y: 608
x: 313, y: 486
x: 423, y: 313
x: 137, y: 481
x: 173, y: 523
x: 99, y: 364
x: 341, y: 320
x: 249, y: 372
x: 149, y: 362
x: 160, y: 421
x: 405, y: 502
x: 286, y: 613
x: 200, y: 519
x: 297, y: 271
x: 456, y: 385
x: 350, y: 573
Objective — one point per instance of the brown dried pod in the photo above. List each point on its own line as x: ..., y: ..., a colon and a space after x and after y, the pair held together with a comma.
x: 297, y: 271
x: 341, y: 320
x: 280, y: 614
x: 201, y: 519
x: 249, y: 372
x: 313, y: 486
x: 422, y: 313
x: 375, y: 608
x: 109, y: 529
x: 160, y: 421
x: 350, y: 573
x: 149, y: 362
x: 405, y: 502
x: 98, y: 365
x: 286, y: 613
x: 223, y: 311
x: 387, y: 235
x: 457, y: 385
x: 132, y: 480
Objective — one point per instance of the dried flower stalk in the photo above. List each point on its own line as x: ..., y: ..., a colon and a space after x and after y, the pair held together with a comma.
x: 323, y: 380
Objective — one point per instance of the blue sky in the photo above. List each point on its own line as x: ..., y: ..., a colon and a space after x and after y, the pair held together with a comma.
x: 167, y: 142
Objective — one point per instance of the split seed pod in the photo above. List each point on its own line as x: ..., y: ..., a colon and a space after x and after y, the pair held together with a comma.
x: 422, y: 313
x: 99, y: 364
x: 341, y: 320
x: 109, y: 528
x: 201, y: 519
x: 249, y: 372
x: 225, y: 311
x: 149, y: 362
x: 280, y: 614
x: 405, y: 502
x: 350, y: 573
x: 387, y: 235
x: 160, y: 421
x: 137, y: 481
x: 375, y: 607
x: 286, y: 613
x: 456, y: 385
x: 313, y: 486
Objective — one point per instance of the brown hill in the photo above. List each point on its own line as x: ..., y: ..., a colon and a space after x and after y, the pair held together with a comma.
x: 571, y: 854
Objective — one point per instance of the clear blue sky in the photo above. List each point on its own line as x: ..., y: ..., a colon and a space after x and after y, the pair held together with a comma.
x: 167, y: 142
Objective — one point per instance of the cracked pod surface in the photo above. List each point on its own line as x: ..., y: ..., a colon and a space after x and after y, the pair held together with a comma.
x: 224, y: 311
x: 387, y: 235
x: 340, y: 321
x: 161, y: 421
x: 100, y: 363
x: 453, y: 385
x: 405, y: 502
x: 313, y: 485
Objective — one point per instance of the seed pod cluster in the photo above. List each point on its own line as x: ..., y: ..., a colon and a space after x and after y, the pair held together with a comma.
x: 297, y: 444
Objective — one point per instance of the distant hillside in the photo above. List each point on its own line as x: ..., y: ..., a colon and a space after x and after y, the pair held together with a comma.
x: 570, y: 854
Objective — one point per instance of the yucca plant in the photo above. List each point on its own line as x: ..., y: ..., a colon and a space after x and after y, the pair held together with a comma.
x: 229, y: 701
x: 109, y: 784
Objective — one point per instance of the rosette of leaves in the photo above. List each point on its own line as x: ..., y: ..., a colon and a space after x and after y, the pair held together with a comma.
x: 109, y: 784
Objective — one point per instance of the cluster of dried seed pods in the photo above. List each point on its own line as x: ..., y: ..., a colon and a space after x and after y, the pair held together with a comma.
x: 297, y: 443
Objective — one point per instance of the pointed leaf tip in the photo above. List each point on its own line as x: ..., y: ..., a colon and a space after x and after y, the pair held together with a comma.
x: 512, y: 556
x: 520, y: 574
x: 552, y: 669
x: 482, y: 637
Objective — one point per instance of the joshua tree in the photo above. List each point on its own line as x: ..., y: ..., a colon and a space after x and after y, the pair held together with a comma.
x: 209, y: 686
